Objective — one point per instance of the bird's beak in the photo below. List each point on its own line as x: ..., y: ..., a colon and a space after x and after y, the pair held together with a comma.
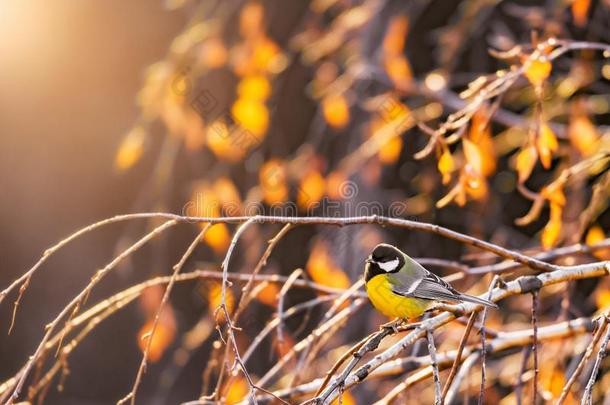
x: 369, y: 260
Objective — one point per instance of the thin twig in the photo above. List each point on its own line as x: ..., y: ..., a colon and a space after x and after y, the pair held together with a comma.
x: 150, y: 335
x: 434, y: 364
x: 601, y: 354
x: 458, y: 357
x: 535, y: 343
x: 602, y: 322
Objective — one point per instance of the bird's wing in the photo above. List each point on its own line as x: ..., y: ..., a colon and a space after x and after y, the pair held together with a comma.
x: 418, y: 282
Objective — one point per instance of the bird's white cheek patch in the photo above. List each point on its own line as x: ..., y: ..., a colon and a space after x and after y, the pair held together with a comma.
x: 389, y: 266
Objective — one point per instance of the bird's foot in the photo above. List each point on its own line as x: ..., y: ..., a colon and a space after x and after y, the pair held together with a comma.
x: 393, y: 325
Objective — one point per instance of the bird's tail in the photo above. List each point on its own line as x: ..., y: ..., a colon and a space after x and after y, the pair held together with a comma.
x: 477, y: 300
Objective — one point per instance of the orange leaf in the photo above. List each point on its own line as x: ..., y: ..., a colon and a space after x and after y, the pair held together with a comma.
x: 218, y: 238
x: 473, y: 155
x: 583, y: 135
x: 445, y: 165
x: 272, y: 177
x: 252, y: 115
x: 537, y: 71
x: 480, y: 135
x: 311, y: 189
x: 396, y: 34
x: 346, y: 399
x: 131, y: 149
x: 237, y: 391
x: 228, y: 196
x: 390, y: 151
x: 213, y: 293
x: 546, y: 144
x: 398, y: 69
x: 554, y: 193
x: 526, y: 160
x: 222, y: 142
x: 335, y: 110
x: 334, y: 185
x: 254, y: 87
x: 323, y: 269
x: 594, y: 236
x: 268, y: 295
x: 551, y: 231
x: 164, y: 335
x: 580, y: 11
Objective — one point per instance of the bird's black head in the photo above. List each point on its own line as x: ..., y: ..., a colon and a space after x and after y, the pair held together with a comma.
x: 384, y: 259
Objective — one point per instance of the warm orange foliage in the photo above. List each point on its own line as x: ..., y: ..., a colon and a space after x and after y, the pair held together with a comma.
x: 537, y: 71
x: 595, y: 235
x: 236, y: 390
x: 525, y: 162
x: 131, y: 149
x: 322, y: 268
x: 582, y: 133
x: 252, y: 115
x: 551, y: 231
x: 580, y: 10
x: 390, y: 151
x: 212, y: 292
x: 446, y: 165
x: 218, y: 238
x: 335, y: 110
x: 334, y: 183
x: 165, y: 332
x: 311, y: 189
x: 213, y: 54
x: 272, y: 178
x: 268, y: 295
x: 546, y: 144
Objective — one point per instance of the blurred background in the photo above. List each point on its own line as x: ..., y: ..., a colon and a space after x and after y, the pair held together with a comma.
x: 235, y: 107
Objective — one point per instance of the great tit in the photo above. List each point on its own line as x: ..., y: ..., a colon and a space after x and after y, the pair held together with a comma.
x: 400, y: 287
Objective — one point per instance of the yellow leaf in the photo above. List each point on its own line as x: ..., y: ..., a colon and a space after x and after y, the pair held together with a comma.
x: 164, y: 335
x: 255, y: 87
x: 335, y: 110
x: 323, y: 269
x: 602, y: 297
x: 473, y: 155
x: 526, y: 160
x: 311, y: 189
x: 218, y: 238
x: 537, y: 71
x: 551, y: 231
x: 212, y: 290
x: 546, y: 144
x: 396, y: 34
x: 272, y: 178
x: 398, y: 69
x: 595, y: 235
x: 222, y: 142
x: 335, y: 183
x: 252, y: 115
x: 580, y: 10
x: 237, y: 391
x: 131, y: 149
x: 446, y: 165
x: 268, y: 295
x: 390, y: 151
x: 554, y: 193
x: 583, y: 135
x: 480, y: 135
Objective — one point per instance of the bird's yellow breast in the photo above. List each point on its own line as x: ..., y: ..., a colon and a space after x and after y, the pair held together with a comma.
x: 379, y: 290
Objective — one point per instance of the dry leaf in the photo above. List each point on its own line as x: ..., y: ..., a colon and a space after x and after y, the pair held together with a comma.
x: 131, y: 149
x: 546, y: 144
x: 446, y: 165
x: 537, y: 71
x: 335, y: 110
x: 525, y: 162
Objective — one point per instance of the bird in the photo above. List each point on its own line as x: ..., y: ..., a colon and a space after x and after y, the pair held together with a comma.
x: 399, y: 287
